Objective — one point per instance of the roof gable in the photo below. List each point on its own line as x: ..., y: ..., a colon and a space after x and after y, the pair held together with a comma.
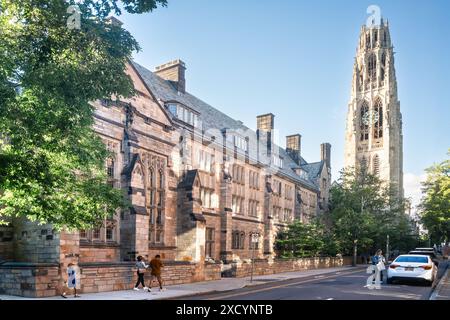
x: 213, y: 119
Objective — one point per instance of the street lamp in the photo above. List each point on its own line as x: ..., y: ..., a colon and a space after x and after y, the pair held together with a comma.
x: 255, y: 240
x: 387, y: 249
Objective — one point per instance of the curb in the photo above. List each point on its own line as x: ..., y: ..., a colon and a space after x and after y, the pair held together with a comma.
x: 438, y: 287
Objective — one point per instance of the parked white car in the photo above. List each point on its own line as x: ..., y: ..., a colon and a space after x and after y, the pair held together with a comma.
x: 412, y: 266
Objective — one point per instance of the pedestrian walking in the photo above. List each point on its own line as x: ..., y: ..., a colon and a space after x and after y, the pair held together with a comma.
x: 156, y: 265
x: 71, y: 283
x: 378, y: 261
x: 141, y: 267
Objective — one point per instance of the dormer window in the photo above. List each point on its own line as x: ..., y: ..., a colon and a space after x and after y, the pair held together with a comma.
x: 302, y: 173
x: 184, y: 114
x: 276, y: 160
x: 172, y: 107
x: 240, y: 143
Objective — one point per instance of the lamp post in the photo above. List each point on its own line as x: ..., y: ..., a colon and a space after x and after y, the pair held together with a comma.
x: 387, y: 248
x: 255, y: 239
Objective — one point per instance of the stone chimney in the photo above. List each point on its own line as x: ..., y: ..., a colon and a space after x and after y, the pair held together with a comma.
x: 325, y: 153
x: 173, y: 72
x: 264, y: 133
x: 293, y: 147
x: 265, y: 122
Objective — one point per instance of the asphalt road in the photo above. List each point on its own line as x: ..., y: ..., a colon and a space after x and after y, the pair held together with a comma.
x: 345, y: 285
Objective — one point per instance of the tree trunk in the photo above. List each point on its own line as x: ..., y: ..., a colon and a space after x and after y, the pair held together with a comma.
x: 355, y: 250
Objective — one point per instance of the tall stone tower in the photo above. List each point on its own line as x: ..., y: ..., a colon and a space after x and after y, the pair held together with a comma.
x: 373, y: 136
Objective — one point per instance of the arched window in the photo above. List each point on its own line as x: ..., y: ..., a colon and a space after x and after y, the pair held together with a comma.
x: 151, y: 178
x: 372, y: 67
x: 378, y: 120
x: 241, y: 240
x: 364, y: 122
x: 110, y: 171
x: 161, y: 179
x: 157, y: 203
x: 383, y: 67
x: 376, y: 165
x: 368, y: 40
x: 110, y: 167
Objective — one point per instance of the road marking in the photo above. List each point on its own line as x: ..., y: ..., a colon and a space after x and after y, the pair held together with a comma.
x: 275, y: 287
x: 318, y: 277
x: 330, y: 299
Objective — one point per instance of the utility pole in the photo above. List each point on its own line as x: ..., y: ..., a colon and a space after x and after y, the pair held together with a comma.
x: 387, y: 249
x: 255, y: 240
x: 355, y: 241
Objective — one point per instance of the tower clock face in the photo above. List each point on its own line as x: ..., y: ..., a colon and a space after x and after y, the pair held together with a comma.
x: 366, y: 118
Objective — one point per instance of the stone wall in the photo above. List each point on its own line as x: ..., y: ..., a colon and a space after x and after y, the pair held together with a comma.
x: 100, y: 277
x: 90, y: 253
x: 265, y: 266
x: 212, y: 271
x: 35, y: 243
x: 29, y: 280
x: 6, y: 243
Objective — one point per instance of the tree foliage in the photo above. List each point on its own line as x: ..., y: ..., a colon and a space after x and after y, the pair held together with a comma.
x: 300, y: 240
x: 364, y: 211
x: 435, y: 205
x: 51, y: 160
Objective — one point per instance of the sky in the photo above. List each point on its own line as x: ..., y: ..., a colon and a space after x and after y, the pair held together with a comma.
x: 295, y: 58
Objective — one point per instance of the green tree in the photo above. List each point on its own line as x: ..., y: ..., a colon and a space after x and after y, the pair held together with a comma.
x: 435, y: 205
x: 51, y: 160
x: 359, y: 209
x: 300, y: 240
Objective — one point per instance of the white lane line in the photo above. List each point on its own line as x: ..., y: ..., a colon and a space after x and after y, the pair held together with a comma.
x: 330, y: 299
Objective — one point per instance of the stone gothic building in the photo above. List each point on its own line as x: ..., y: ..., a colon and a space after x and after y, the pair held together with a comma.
x: 202, y: 185
x: 373, y: 135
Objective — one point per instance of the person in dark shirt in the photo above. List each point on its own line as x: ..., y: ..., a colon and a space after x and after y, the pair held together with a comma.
x: 156, y: 265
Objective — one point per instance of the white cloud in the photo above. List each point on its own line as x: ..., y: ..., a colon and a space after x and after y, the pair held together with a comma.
x: 412, y: 186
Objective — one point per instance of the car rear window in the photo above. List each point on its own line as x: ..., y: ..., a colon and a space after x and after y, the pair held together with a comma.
x: 412, y: 259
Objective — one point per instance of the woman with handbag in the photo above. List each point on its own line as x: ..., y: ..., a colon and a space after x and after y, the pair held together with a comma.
x: 378, y: 261
x: 141, y: 266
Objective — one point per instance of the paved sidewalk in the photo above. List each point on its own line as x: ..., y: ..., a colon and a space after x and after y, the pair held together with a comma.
x: 225, y: 284
x: 442, y: 291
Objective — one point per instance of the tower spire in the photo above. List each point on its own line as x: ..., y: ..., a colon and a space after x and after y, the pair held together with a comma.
x: 374, y: 126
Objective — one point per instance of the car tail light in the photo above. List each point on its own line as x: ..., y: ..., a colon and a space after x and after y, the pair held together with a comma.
x: 426, y: 267
x: 393, y: 266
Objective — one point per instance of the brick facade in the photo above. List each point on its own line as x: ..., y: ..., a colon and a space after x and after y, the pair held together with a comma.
x: 200, y: 184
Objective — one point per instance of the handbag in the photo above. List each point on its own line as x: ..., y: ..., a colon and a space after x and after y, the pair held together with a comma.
x: 381, y: 266
x: 141, y: 270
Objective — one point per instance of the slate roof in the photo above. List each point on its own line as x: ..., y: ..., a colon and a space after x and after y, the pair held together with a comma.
x: 313, y: 169
x: 212, y: 118
x: 189, y: 179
